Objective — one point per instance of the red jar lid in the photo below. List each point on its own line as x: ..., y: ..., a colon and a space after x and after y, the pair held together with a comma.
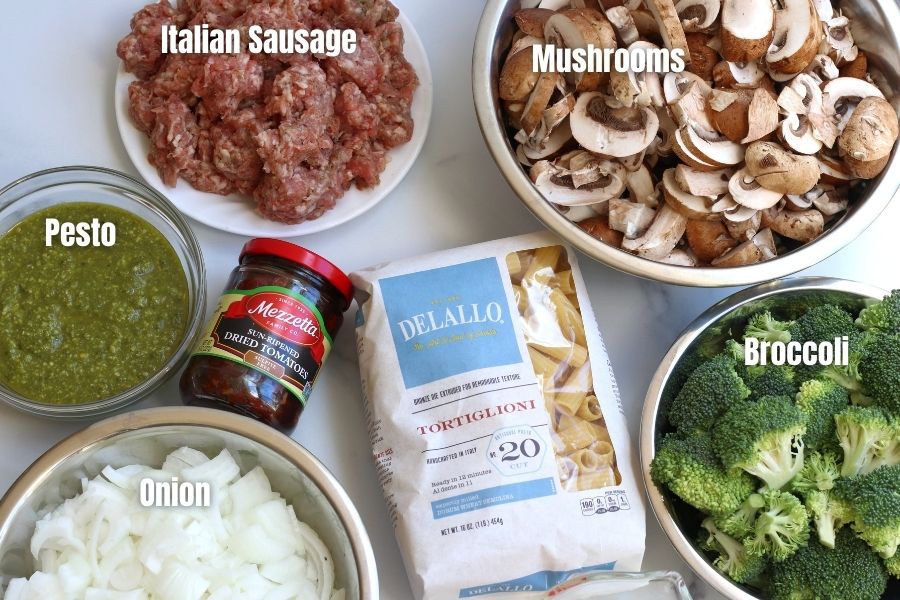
x: 302, y: 256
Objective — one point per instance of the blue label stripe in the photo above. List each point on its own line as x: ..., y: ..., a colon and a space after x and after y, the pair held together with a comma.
x: 536, y: 582
x: 494, y: 496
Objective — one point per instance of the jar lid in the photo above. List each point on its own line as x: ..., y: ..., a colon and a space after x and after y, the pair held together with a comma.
x: 302, y: 256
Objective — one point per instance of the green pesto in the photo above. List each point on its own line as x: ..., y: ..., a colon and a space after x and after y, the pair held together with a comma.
x: 83, y: 324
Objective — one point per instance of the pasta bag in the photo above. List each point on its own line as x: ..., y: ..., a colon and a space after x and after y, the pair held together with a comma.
x: 495, y: 421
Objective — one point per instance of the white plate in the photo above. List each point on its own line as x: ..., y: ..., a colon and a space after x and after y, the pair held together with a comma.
x: 236, y: 213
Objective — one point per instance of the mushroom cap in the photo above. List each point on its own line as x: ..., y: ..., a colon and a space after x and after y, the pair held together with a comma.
x: 839, y: 97
x: 708, y: 239
x: 697, y: 15
x: 747, y: 253
x: 870, y: 132
x: 532, y: 20
x: 780, y: 171
x: 617, y: 132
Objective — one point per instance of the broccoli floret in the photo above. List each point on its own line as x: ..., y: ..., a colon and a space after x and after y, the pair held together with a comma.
x: 690, y: 469
x: 819, y: 401
x: 763, y: 438
x: 820, y: 471
x: 708, y: 392
x: 848, y: 572
x: 863, y: 434
x: 829, y: 514
x: 883, y: 315
x: 772, y: 380
x: 765, y: 327
x: 739, y: 524
x: 732, y: 558
x: 781, y: 528
x: 879, y: 370
x: 874, y: 506
x: 893, y: 565
x: 821, y: 323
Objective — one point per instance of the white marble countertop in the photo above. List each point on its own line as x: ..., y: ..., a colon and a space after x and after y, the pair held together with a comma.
x: 56, y: 109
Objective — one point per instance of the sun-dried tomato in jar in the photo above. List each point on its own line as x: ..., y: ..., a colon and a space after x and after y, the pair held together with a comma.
x: 269, y: 335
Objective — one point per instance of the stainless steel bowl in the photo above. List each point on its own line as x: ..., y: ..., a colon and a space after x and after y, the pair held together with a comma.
x: 675, y: 517
x: 146, y: 437
x: 874, y: 26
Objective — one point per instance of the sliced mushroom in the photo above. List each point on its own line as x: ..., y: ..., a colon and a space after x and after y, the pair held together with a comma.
x: 517, y: 79
x: 745, y: 229
x: 833, y: 172
x: 762, y: 115
x: 697, y: 15
x: 803, y: 226
x: 669, y: 26
x: 795, y: 203
x: 548, y: 146
x: 780, y: 171
x: 538, y: 102
x: 747, y: 192
x: 839, y: 38
x: 747, y: 29
x: 610, y: 131
x: 765, y: 241
x: 796, y: 133
x: 692, y: 207
x: 798, y: 34
x: 840, y: 96
x: 532, y: 20
x: 680, y: 258
x: 716, y: 150
x: 830, y: 202
x: 747, y: 253
x: 688, y: 96
x: 730, y: 112
x: 592, y: 181
x: 580, y: 28
x: 598, y: 227
x: 634, y: 162
x: 858, y: 67
x: 686, y: 153
x: 703, y: 58
x: 631, y: 218
x: 823, y: 68
x: 708, y: 239
x: 738, y: 75
x: 703, y: 183
x: 622, y: 21
x: 867, y: 140
x: 662, y: 236
x: 524, y: 43
x: 640, y: 187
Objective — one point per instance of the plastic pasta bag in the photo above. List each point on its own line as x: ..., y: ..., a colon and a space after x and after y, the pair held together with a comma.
x: 495, y: 421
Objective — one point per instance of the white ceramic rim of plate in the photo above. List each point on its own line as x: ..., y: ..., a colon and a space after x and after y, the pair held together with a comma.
x: 236, y: 213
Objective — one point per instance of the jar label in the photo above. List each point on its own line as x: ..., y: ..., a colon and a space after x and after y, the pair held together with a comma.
x: 270, y: 329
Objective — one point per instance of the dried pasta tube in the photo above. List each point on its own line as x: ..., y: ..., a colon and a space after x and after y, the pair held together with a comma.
x: 601, y: 432
x: 575, y: 354
x: 567, y: 467
x: 574, y: 438
x: 564, y: 282
x: 566, y: 421
x: 604, y: 452
x: 521, y: 299
x: 573, y: 392
x: 589, y: 410
x: 586, y: 460
x: 543, y: 264
x: 568, y: 317
x: 605, y: 477
x: 517, y: 263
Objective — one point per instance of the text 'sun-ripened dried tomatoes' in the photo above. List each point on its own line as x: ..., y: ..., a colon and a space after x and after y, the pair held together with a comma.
x: 269, y: 335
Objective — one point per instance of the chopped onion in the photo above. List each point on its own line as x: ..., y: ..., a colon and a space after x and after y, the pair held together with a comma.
x: 103, y: 545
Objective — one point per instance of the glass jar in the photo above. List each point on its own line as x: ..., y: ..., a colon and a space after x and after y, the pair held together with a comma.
x: 269, y: 335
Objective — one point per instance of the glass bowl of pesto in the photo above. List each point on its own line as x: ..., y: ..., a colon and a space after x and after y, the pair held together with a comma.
x: 102, y: 291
